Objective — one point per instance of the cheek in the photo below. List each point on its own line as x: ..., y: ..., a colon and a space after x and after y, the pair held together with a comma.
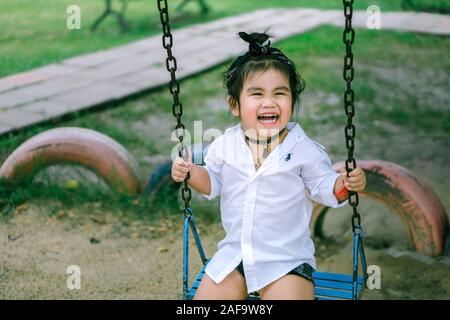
x: 248, y: 108
x: 286, y: 116
x: 248, y: 114
x: 286, y: 107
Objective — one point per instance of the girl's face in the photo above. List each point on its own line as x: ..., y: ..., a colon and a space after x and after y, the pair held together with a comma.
x: 265, y: 104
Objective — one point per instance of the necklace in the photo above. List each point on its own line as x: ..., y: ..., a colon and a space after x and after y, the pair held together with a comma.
x: 267, y: 146
x: 267, y: 141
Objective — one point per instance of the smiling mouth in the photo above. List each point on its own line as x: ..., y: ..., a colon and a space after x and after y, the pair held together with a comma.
x: 268, y: 118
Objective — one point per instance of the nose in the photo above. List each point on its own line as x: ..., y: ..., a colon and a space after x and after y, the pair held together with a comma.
x: 268, y: 103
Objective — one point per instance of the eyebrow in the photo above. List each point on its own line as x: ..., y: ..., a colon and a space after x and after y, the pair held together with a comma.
x: 284, y: 88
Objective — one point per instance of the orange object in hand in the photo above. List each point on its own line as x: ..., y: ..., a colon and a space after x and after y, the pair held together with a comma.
x: 342, y: 193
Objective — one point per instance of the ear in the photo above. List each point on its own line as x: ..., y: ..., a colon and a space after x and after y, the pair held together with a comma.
x: 233, y: 106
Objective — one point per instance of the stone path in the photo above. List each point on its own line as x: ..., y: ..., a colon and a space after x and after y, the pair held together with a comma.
x: 93, y: 79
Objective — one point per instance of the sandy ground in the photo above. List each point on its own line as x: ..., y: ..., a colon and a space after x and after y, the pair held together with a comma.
x: 118, y: 260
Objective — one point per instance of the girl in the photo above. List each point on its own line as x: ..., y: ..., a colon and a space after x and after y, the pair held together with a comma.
x: 267, y: 172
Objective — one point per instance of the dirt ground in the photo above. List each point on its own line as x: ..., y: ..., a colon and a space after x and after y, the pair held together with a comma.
x: 37, y: 249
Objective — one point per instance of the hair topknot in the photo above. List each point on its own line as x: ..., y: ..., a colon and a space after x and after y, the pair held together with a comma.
x: 260, y: 57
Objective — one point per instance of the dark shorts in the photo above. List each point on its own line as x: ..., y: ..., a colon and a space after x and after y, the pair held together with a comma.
x: 304, y: 270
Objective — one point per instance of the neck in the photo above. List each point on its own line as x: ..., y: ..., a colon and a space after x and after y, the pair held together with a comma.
x: 266, y: 141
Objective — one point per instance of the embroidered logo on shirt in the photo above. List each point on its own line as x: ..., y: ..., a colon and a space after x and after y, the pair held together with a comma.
x: 288, y: 157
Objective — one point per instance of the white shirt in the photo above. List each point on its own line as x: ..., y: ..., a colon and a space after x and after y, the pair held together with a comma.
x: 266, y: 213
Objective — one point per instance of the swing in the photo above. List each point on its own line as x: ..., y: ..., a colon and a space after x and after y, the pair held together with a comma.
x: 328, y: 286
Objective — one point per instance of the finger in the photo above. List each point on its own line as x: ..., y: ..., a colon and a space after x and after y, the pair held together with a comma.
x: 176, y: 178
x: 178, y: 174
x: 183, y: 165
x: 181, y: 171
x: 179, y: 178
x: 185, y: 170
x: 188, y: 165
x: 357, y: 184
x: 354, y: 186
x: 355, y: 179
x: 348, y: 185
x: 182, y: 174
x: 347, y: 180
x: 182, y: 162
x: 178, y: 161
x: 356, y: 172
x: 177, y: 168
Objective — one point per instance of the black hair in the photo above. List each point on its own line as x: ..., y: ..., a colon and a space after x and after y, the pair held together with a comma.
x: 260, y: 58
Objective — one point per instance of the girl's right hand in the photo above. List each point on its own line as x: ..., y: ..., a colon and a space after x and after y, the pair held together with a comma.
x: 180, y: 169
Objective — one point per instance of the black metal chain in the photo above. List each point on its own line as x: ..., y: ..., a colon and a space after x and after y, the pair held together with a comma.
x: 174, y: 88
x: 349, y: 98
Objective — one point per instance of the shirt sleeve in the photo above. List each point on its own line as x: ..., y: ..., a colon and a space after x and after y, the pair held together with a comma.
x: 320, y: 179
x: 214, y: 165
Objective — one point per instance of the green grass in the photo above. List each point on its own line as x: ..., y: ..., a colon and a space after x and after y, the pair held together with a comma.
x: 391, y: 70
x: 439, y: 6
x: 34, y: 33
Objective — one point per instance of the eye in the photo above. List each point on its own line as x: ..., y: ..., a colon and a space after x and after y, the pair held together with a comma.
x: 256, y: 94
x: 281, y: 93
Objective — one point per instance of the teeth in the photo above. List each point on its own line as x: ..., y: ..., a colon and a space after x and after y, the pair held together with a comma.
x: 268, y: 120
x: 268, y: 115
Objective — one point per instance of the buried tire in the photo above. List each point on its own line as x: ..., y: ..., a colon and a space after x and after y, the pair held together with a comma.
x: 87, y: 148
x: 418, y: 207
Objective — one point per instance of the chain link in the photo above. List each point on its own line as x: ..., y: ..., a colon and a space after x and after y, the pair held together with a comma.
x: 348, y: 38
x: 174, y: 88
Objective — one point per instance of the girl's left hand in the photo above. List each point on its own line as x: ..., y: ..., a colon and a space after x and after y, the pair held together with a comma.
x: 356, y: 181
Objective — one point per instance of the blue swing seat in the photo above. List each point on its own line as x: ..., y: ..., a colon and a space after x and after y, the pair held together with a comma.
x: 329, y: 286
x: 334, y: 286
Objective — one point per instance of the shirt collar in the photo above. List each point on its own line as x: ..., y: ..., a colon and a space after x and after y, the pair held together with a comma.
x: 296, y: 131
x: 295, y: 135
x: 293, y: 127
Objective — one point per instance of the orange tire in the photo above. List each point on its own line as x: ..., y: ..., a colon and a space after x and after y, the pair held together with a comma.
x: 84, y: 147
x: 417, y: 205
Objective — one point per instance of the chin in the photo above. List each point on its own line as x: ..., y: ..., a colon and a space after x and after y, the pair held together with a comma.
x: 268, y: 132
